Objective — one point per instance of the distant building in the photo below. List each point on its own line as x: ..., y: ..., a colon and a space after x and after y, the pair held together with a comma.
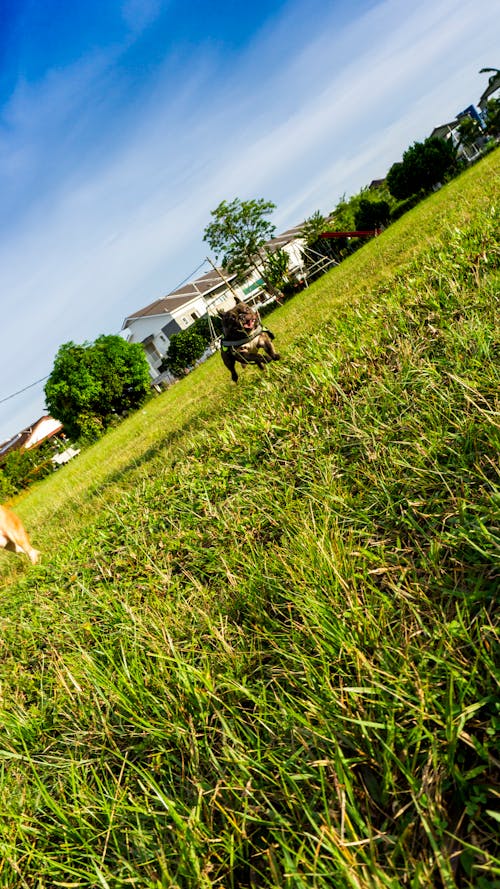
x: 31, y: 437
x: 450, y: 131
x: 472, y: 112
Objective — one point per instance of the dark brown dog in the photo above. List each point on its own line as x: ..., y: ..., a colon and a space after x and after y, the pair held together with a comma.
x: 243, y: 336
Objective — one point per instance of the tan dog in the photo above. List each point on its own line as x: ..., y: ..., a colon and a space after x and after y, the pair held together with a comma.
x: 243, y: 337
x: 13, y: 535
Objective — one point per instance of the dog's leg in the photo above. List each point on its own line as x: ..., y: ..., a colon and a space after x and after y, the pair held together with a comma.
x: 269, y: 348
x: 18, y: 542
x: 230, y: 362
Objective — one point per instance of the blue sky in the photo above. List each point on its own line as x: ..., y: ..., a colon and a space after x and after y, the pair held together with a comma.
x: 123, y: 124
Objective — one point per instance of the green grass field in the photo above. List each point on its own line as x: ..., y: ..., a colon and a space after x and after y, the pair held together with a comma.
x: 261, y: 649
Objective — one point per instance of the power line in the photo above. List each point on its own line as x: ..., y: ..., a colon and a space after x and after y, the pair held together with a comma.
x: 191, y: 275
x: 8, y: 397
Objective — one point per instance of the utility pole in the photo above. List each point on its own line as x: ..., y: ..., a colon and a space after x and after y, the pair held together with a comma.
x: 226, y: 282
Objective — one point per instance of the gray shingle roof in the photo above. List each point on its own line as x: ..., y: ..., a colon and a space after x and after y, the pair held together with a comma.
x: 200, y: 287
x: 493, y: 86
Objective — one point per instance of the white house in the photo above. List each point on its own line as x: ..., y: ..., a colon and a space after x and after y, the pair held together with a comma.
x: 293, y: 242
x: 153, y: 325
x: 450, y: 131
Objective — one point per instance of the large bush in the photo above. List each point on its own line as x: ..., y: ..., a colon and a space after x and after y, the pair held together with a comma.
x: 94, y: 383
x: 21, y: 468
x: 371, y: 214
x: 185, y: 348
x: 423, y: 166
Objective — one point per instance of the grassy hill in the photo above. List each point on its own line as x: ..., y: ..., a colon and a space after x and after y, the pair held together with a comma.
x: 261, y: 648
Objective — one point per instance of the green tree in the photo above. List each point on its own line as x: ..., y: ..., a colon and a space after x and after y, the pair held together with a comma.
x: 185, y: 348
x: 92, y: 384
x: 207, y: 328
x: 275, y: 270
x: 469, y: 131
x: 371, y: 214
x: 238, y: 233
x: 6, y: 487
x: 22, y: 467
x: 424, y: 164
x: 351, y: 212
x: 317, y: 247
x: 313, y: 227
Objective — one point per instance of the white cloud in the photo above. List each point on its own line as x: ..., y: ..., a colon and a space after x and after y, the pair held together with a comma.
x: 138, y: 14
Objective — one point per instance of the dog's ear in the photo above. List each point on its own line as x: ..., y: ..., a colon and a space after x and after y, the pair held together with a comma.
x: 238, y: 302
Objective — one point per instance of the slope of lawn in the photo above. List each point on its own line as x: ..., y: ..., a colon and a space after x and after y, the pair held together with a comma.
x: 261, y: 649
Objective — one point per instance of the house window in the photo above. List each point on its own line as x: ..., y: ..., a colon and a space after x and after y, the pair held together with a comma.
x: 194, y: 316
x: 151, y: 349
x: 152, y: 353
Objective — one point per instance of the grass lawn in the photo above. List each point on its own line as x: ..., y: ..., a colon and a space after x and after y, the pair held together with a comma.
x: 261, y: 649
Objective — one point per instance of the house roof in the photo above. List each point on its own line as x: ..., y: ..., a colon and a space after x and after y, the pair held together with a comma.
x: 292, y: 234
x: 444, y: 128
x: 493, y: 86
x: 183, y: 295
x: 33, y: 435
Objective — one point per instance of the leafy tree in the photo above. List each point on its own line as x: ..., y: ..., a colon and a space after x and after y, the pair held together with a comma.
x: 6, y: 488
x: 349, y: 213
x: 206, y: 329
x: 424, y: 164
x: 238, y: 233
x: 22, y: 467
x: 275, y: 272
x: 399, y: 182
x: 317, y: 247
x: 313, y: 228
x: 492, y: 117
x: 91, y: 384
x: 185, y: 348
x: 371, y: 214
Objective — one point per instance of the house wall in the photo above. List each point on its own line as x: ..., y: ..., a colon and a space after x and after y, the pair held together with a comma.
x: 151, y: 325
x: 46, y: 427
x: 152, y: 329
x: 223, y: 298
x: 254, y: 289
x: 295, y: 251
x: 188, y: 313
